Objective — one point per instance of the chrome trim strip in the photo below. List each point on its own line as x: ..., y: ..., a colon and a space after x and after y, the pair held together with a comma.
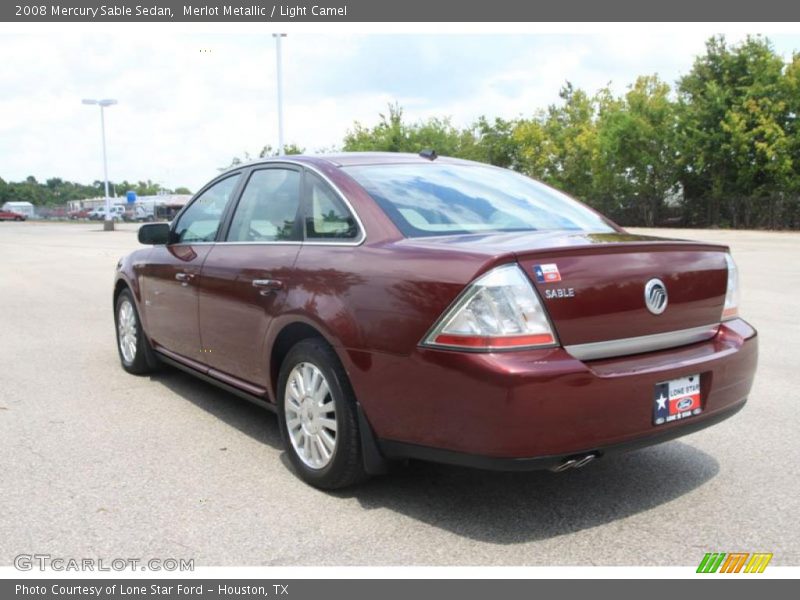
x: 644, y: 343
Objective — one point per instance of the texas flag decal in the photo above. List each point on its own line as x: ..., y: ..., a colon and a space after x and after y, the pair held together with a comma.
x: 547, y: 273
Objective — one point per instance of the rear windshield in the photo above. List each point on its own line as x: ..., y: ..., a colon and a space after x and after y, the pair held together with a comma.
x: 440, y: 199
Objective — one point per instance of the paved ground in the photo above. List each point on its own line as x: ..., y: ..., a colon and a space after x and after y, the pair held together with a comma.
x: 99, y: 463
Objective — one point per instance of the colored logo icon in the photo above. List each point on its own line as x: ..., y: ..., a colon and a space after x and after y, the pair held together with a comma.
x: 734, y: 562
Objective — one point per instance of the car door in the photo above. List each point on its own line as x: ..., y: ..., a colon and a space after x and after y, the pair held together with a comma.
x: 245, y: 278
x: 169, y: 281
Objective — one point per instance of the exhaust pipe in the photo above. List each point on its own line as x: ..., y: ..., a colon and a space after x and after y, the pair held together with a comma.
x: 574, y: 463
x: 584, y: 461
x: 564, y: 466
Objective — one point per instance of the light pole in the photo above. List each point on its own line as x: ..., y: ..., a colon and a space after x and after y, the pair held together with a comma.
x: 278, y: 37
x: 108, y: 224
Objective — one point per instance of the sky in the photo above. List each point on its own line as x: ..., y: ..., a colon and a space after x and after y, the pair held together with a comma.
x: 191, y: 101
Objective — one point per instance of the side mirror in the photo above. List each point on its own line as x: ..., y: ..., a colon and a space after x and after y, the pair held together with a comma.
x: 154, y: 234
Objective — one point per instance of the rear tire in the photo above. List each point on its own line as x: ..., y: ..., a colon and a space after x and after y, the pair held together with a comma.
x: 135, y: 353
x: 317, y: 417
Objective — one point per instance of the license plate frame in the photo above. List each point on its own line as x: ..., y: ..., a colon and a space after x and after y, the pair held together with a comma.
x: 677, y: 399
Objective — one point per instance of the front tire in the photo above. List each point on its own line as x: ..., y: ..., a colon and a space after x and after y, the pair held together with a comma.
x: 317, y: 417
x: 132, y: 345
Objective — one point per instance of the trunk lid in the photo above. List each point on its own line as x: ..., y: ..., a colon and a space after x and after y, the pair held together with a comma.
x: 595, y: 291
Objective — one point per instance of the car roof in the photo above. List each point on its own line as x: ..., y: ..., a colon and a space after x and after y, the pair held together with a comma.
x: 349, y: 159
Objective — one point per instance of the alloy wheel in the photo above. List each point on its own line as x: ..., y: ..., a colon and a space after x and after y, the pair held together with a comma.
x: 310, y: 413
x: 126, y: 329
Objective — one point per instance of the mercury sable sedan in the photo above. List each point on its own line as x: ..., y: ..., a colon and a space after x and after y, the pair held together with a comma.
x: 392, y: 306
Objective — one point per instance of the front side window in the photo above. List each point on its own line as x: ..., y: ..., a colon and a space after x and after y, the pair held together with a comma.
x: 443, y: 199
x: 267, y: 211
x: 327, y: 216
x: 201, y: 220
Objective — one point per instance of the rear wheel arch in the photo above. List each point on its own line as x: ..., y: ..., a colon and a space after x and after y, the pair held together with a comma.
x: 289, y: 336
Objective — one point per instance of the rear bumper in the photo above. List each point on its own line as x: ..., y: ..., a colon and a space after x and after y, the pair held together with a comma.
x: 533, y: 409
x: 400, y: 450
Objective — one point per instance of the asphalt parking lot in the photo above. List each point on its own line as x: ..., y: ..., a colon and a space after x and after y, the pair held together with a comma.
x: 99, y: 463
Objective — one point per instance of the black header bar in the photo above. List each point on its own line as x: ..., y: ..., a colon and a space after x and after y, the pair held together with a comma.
x: 342, y: 11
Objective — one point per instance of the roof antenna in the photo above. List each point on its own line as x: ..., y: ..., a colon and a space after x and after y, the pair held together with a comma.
x: 429, y: 154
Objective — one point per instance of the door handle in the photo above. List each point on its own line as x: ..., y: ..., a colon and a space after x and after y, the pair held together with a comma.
x: 184, y: 278
x: 268, y: 285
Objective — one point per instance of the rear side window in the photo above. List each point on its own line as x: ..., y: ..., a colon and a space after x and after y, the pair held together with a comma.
x: 327, y: 217
x: 440, y: 199
x: 267, y: 211
x: 199, y: 223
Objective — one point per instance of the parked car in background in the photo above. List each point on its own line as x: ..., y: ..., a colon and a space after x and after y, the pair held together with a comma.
x: 7, y: 215
x: 52, y: 212
x: 99, y: 213
x: 81, y: 213
x: 392, y: 306
x: 140, y: 213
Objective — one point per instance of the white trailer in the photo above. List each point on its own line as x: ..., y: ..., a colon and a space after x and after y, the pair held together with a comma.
x: 21, y: 208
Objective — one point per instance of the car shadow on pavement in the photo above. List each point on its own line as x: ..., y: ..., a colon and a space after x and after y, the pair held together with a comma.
x: 255, y: 421
x: 490, y: 506
x: 510, y: 508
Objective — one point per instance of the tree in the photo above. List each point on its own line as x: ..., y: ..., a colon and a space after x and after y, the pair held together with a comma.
x: 388, y: 135
x: 735, y: 155
x: 635, y: 157
x: 791, y: 96
x: 393, y: 134
x: 558, y: 144
x: 491, y: 142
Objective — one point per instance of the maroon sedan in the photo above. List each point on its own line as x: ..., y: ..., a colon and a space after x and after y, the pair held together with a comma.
x: 392, y: 306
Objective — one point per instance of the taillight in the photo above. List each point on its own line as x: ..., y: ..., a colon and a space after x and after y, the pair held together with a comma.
x: 731, y: 308
x: 498, y: 311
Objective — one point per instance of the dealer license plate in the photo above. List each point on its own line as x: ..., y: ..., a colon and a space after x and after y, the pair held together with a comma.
x: 676, y: 399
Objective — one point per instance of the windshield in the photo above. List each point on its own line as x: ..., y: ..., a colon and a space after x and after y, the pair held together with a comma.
x: 440, y: 199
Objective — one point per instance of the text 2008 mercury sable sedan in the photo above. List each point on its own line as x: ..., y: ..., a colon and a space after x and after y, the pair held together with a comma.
x: 393, y: 306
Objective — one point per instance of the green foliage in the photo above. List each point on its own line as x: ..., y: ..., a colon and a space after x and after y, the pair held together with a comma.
x: 736, y: 133
x: 491, y: 143
x: 634, y: 162
x: 392, y: 134
x: 558, y: 145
